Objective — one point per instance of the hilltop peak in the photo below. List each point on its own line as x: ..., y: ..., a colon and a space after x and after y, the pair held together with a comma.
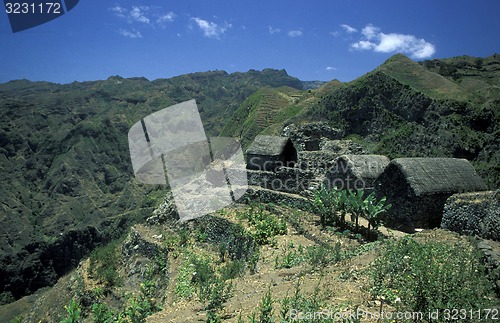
x: 398, y: 61
x: 411, y: 73
x: 398, y: 58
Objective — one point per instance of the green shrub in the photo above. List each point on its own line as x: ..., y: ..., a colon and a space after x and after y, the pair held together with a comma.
x: 266, y: 308
x: 427, y: 276
x: 264, y: 225
x: 215, y: 293
x: 333, y: 205
x: 102, y: 313
x: 367, y: 207
x: 299, y: 302
x: 103, y: 263
x: 254, y: 260
x: 197, y: 274
x: 290, y: 259
x: 320, y: 256
x: 73, y: 312
x: 183, y: 285
x: 232, y: 269
x: 325, y: 204
x: 144, y: 304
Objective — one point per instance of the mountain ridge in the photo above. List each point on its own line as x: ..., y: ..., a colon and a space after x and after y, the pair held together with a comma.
x: 64, y: 159
x: 64, y: 154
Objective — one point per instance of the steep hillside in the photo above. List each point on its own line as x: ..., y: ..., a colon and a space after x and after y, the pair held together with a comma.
x: 403, y: 109
x: 418, y: 77
x: 438, y: 108
x: 65, y: 168
x: 66, y: 176
x: 265, y: 111
x: 477, y: 76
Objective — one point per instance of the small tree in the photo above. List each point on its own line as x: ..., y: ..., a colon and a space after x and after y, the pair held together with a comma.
x: 373, y: 210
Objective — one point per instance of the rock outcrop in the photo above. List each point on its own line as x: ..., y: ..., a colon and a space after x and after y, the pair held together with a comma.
x: 476, y: 213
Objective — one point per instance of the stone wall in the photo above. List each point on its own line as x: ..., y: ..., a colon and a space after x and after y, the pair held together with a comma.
x: 309, y: 136
x: 476, y: 213
x: 269, y: 196
x: 284, y: 179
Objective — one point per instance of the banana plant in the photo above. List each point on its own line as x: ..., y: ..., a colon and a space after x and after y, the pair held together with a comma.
x: 325, y: 205
x: 373, y: 210
x: 356, y: 205
x: 342, y: 205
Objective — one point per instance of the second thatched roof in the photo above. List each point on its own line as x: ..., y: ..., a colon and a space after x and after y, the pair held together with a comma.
x: 361, y: 166
x: 427, y: 176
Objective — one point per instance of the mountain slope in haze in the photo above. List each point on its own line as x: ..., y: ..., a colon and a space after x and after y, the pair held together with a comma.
x: 67, y: 180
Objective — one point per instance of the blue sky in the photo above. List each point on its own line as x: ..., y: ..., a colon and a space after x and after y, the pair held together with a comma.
x: 312, y: 40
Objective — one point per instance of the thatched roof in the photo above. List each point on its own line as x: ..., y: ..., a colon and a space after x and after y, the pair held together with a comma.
x: 361, y: 166
x: 267, y: 146
x: 438, y: 175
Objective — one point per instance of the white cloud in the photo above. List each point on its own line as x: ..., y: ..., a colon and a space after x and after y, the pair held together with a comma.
x: 370, y: 31
x: 168, y: 17
x: 380, y: 42
x: 295, y: 33
x: 211, y: 29
x: 330, y: 68
x: 130, y: 33
x: 363, y: 45
x: 137, y: 14
x: 348, y: 28
x: 273, y: 30
x: 119, y: 11
x: 142, y: 14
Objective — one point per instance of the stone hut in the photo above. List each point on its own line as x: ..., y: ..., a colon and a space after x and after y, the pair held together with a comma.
x: 418, y: 188
x: 354, y: 172
x: 269, y: 152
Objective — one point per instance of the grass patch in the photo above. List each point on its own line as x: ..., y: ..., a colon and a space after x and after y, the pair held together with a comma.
x: 103, y: 264
x: 427, y: 276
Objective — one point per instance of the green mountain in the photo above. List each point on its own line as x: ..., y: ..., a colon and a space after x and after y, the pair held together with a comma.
x: 407, y: 109
x: 67, y: 180
x: 67, y: 183
x: 438, y: 108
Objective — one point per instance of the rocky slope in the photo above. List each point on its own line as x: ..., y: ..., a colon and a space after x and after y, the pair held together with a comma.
x: 438, y: 108
x: 65, y: 169
x: 66, y: 174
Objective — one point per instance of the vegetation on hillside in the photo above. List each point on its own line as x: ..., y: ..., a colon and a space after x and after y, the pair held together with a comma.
x: 438, y: 108
x: 68, y: 188
x: 312, y: 270
x: 65, y: 164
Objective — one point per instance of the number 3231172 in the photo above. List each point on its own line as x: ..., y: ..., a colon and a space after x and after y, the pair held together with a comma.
x: 32, y: 8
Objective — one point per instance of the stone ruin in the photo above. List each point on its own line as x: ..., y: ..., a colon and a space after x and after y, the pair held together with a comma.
x: 297, y: 161
x: 475, y: 214
x: 305, y: 157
